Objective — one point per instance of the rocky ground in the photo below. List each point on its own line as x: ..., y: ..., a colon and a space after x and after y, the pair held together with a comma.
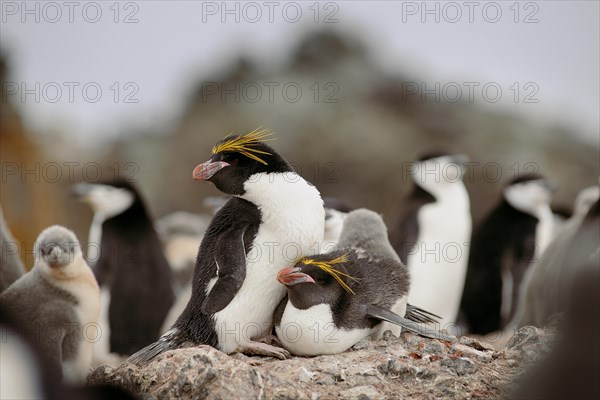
x: 407, y: 367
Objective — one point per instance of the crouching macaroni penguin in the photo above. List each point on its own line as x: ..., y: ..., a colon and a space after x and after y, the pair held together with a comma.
x: 339, y: 298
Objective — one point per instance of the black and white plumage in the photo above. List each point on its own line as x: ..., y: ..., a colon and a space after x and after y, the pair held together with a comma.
x: 572, y: 368
x: 517, y: 230
x: 323, y: 316
x: 11, y: 266
x: 58, y: 299
x: 433, y: 232
x: 273, y: 217
x: 131, y: 267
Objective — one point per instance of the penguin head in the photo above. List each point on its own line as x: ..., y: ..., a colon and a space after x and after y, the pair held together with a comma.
x: 529, y: 193
x: 106, y: 199
x: 58, y: 252
x: 434, y: 172
x: 586, y: 199
x: 316, y: 280
x: 238, y: 159
x: 362, y: 227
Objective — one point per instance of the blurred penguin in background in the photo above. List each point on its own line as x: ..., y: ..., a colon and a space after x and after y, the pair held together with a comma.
x: 538, y: 300
x: 513, y: 235
x: 131, y: 268
x: 572, y: 369
x: 433, y: 232
x: 181, y: 234
x: 58, y: 300
x: 335, y: 214
x: 27, y: 373
x: 11, y: 267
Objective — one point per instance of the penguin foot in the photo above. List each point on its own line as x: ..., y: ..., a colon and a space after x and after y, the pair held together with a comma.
x: 263, y: 349
x: 270, y: 340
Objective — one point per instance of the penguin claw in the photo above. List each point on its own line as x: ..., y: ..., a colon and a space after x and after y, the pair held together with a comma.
x: 270, y: 340
x: 263, y: 349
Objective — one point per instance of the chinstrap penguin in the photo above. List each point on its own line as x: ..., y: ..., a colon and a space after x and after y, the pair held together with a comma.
x: 272, y: 217
x: 136, y: 279
x: 571, y: 370
x: 58, y: 300
x: 539, y: 300
x: 181, y: 233
x: 513, y: 235
x: 11, y: 266
x: 433, y: 234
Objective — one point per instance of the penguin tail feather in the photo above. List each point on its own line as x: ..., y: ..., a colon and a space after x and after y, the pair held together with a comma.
x: 166, y: 342
x: 416, y: 314
x: 389, y: 316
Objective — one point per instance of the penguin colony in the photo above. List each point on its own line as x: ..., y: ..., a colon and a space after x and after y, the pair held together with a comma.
x: 347, y: 281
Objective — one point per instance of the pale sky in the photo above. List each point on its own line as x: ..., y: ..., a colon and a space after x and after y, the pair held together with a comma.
x: 554, y: 58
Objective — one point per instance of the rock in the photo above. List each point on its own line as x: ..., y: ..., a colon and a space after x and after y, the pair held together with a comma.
x: 476, y: 344
x: 305, y: 375
x: 388, y: 336
x: 527, y: 336
x: 362, y: 393
x: 435, y: 348
x: 460, y: 365
x: 408, y: 367
x: 363, y: 344
x: 470, y: 352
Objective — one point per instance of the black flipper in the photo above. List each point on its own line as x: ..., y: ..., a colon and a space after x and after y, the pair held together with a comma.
x: 230, y: 256
x: 386, y: 315
x: 417, y: 314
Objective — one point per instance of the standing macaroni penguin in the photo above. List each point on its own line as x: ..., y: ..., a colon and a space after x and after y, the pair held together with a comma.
x: 272, y: 218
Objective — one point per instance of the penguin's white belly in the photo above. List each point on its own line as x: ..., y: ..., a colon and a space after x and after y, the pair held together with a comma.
x: 87, y: 310
x: 101, y: 346
x: 438, y: 262
x: 312, y: 332
x: 249, y: 315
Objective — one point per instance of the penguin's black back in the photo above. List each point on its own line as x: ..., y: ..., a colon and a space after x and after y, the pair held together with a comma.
x: 193, y: 325
x: 133, y: 265
x: 406, y: 233
x: 507, y: 235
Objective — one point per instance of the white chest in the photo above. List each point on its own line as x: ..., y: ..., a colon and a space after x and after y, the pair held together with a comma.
x: 292, y: 226
x: 88, y: 312
x: 312, y: 332
x: 544, y: 230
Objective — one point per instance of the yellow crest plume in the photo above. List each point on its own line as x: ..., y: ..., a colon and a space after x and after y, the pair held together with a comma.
x: 243, y: 144
x: 327, y: 267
